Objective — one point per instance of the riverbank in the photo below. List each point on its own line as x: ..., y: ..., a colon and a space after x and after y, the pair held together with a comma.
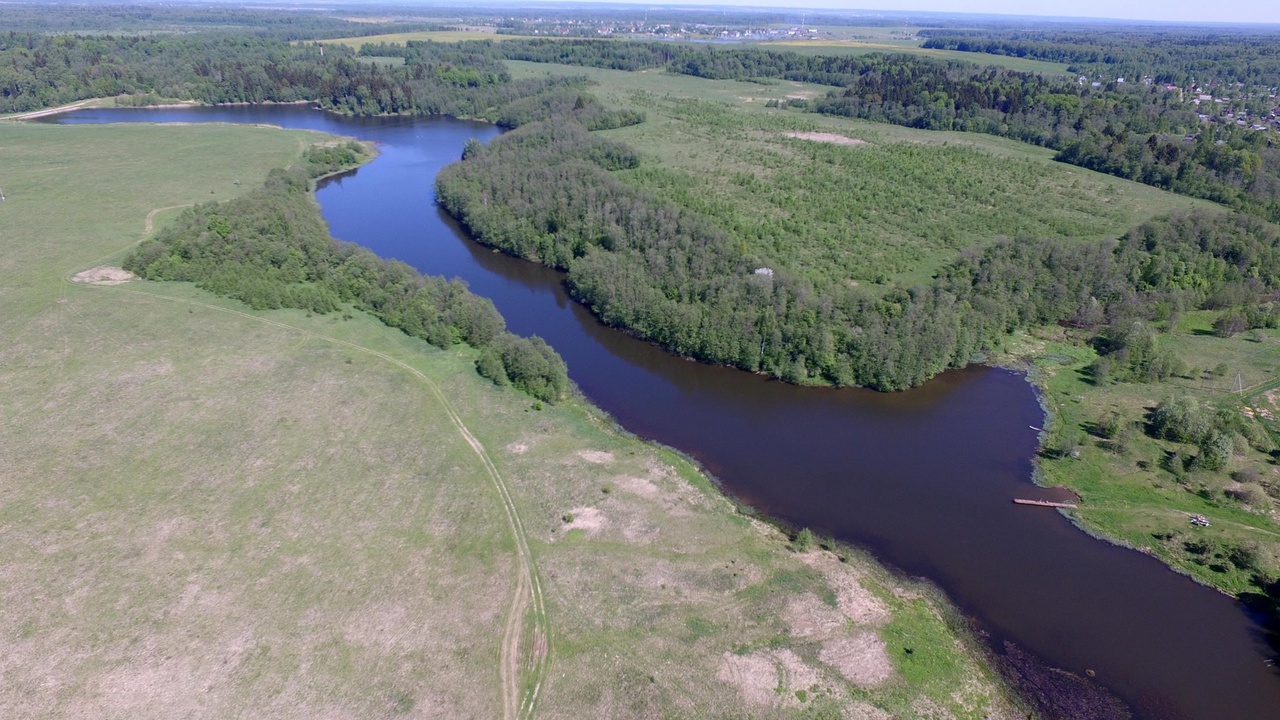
x: 341, y: 524
x: 922, y: 478
x: 132, y: 101
x: 1137, y: 490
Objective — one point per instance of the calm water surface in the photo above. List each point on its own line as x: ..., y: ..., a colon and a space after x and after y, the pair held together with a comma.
x: 923, y: 479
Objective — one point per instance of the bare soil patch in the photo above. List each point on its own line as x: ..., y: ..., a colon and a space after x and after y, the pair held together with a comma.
x: 588, y: 519
x: 854, y: 601
x: 862, y: 659
x: 809, y: 617
x: 754, y: 675
x: 799, y: 675
x: 826, y: 138
x: 599, y: 457
x: 104, y: 275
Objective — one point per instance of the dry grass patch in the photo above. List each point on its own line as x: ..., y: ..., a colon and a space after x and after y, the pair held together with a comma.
x: 861, y: 659
x: 825, y: 137
x: 755, y: 676
x: 104, y: 275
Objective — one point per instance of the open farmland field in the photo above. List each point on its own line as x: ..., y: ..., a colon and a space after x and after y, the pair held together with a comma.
x: 435, y: 35
x: 210, y: 512
x: 911, y: 47
x: 870, y: 202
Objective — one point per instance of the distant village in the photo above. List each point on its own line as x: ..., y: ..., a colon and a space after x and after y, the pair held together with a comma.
x: 657, y: 31
x: 1226, y: 103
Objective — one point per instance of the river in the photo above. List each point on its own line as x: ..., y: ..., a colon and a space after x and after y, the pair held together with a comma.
x: 921, y: 479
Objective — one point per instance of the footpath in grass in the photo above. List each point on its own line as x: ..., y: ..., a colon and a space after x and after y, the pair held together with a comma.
x: 207, y: 511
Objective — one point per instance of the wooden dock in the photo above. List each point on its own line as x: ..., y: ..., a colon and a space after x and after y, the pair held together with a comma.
x: 1044, y: 503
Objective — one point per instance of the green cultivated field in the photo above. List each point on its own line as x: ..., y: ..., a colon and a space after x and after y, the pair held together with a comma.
x: 893, y: 207
x: 211, y: 512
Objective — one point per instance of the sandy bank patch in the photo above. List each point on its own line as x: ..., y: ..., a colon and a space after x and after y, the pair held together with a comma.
x: 862, y: 659
x: 673, y: 502
x: 854, y: 601
x: 826, y: 138
x: 809, y: 617
x: 599, y: 457
x: 104, y: 275
x: 588, y: 519
x: 642, y: 487
x: 755, y: 676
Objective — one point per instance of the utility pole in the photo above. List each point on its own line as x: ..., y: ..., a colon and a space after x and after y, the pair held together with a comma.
x: 1238, y: 386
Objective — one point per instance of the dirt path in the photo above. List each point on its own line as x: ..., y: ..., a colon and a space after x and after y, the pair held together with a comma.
x: 516, y: 704
x: 151, y: 217
x: 47, y: 111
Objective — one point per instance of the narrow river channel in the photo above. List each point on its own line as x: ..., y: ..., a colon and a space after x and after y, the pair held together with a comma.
x: 921, y: 479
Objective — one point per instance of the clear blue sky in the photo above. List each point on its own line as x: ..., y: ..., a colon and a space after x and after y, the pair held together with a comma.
x: 1234, y: 11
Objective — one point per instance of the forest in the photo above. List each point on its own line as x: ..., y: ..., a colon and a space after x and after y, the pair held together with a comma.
x: 672, y: 274
x: 545, y: 192
x: 1180, y: 56
x: 271, y: 249
x: 38, y: 71
x: 135, y: 19
x: 1146, y: 134
x: 1134, y: 131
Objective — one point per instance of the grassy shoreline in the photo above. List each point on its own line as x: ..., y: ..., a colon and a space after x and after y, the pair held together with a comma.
x: 1129, y: 496
x: 270, y: 510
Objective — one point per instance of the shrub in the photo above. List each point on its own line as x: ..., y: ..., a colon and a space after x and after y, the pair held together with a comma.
x: 1250, y: 495
x: 1215, y: 451
x: 1230, y: 324
x: 1180, y: 419
x: 804, y: 540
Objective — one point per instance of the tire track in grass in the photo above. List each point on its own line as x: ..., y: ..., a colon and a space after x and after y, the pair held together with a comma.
x: 520, y: 691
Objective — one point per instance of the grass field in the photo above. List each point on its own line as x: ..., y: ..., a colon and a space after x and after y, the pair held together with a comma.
x: 1128, y: 490
x: 356, y: 43
x: 211, y: 512
x: 911, y: 47
x: 890, y: 209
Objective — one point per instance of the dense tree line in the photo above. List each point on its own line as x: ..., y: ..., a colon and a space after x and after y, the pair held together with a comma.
x: 53, y: 17
x: 545, y: 192
x: 1130, y: 130
x: 271, y: 249
x: 40, y: 71
x: 1178, y: 56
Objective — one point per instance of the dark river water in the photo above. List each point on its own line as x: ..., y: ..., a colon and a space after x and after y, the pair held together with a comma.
x: 922, y: 479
